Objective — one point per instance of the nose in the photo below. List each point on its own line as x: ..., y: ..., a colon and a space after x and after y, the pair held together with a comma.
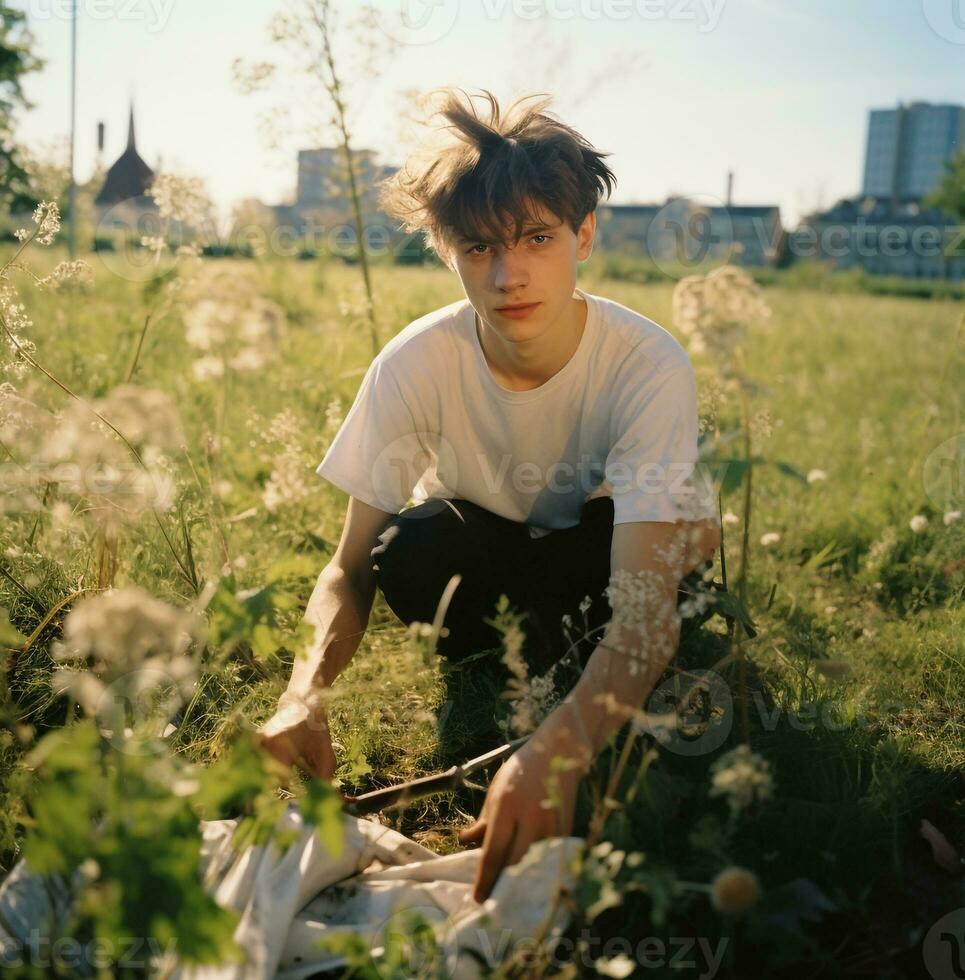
x: 509, y: 270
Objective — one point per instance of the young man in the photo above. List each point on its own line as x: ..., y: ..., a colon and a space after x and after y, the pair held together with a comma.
x: 545, y: 440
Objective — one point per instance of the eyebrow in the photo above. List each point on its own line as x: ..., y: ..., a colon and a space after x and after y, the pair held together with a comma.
x: 531, y: 230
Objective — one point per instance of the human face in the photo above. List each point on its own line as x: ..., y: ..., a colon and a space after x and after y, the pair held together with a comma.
x: 522, y: 290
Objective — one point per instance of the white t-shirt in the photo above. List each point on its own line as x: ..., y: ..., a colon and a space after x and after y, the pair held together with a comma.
x: 430, y: 420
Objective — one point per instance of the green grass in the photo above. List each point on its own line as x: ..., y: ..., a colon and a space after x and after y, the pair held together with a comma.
x: 862, y: 387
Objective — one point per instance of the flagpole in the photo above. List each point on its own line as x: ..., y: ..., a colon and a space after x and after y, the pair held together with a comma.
x: 72, y: 228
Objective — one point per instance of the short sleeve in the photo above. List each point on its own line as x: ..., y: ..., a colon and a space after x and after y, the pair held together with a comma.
x: 652, y: 465
x: 378, y: 455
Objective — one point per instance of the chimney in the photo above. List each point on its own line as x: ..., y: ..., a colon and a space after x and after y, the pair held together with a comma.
x: 730, y: 186
x: 100, y: 137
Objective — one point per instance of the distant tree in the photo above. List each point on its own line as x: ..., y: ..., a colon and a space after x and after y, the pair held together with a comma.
x: 949, y: 196
x: 17, y: 59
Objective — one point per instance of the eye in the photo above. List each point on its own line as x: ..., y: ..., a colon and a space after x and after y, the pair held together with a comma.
x: 472, y: 250
x: 544, y: 237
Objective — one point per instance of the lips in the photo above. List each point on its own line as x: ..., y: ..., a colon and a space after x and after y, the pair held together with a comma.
x: 517, y: 310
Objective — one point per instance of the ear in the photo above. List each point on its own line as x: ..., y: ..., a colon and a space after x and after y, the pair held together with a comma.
x: 585, y: 236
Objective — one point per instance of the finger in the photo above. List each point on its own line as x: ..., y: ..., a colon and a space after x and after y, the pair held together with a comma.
x: 495, y: 849
x: 474, y: 833
x: 521, y: 843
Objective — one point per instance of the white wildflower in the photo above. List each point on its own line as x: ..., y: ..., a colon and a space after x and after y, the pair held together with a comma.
x: 770, y: 538
x: 248, y: 359
x: 730, y: 518
x: 950, y: 517
x: 287, y: 483
x: 181, y: 199
x: 743, y: 777
x: 713, y: 311
x: 68, y: 275
x: 918, y: 523
x: 208, y: 367
x: 643, y: 615
x: 333, y: 416
x: 47, y: 220
x: 131, y: 645
x: 146, y: 416
x: 618, y: 966
x: 816, y: 476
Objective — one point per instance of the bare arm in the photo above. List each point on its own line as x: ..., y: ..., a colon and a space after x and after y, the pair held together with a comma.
x: 339, y: 609
x: 341, y: 602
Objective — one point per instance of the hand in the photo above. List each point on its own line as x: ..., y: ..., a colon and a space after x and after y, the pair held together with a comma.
x: 297, y: 734
x: 517, y: 811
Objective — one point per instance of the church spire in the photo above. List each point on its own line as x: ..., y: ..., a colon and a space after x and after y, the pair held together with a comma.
x: 130, y: 129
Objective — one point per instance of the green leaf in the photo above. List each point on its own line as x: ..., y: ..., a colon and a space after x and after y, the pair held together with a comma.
x: 322, y: 806
x: 788, y: 470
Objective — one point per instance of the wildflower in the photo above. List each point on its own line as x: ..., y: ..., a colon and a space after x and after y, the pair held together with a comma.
x: 287, y: 484
x: 208, y: 325
x: 181, y: 199
x: 880, y: 550
x: 131, y: 644
x: 950, y: 517
x: 618, y: 966
x: 730, y: 518
x: 640, y: 607
x: 47, y: 219
x: 248, y: 359
x: 205, y: 368
x: 333, y: 416
x: 713, y: 311
x: 68, y: 275
x: 735, y: 890
x: 769, y: 538
x: 85, y: 459
x: 146, y: 416
x: 762, y: 425
x: 918, y: 523
x: 816, y: 476
x: 154, y: 243
x: 742, y: 776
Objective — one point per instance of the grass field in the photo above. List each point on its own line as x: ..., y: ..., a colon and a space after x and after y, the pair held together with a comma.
x: 859, y: 656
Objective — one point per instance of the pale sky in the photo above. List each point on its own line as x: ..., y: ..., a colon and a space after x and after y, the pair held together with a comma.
x: 679, y: 91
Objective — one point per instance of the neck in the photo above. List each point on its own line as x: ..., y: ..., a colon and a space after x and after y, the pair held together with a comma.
x: 531, y: 363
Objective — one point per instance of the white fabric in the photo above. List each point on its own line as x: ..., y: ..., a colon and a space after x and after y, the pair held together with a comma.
x: 288, y: 901
x: 430, y: 420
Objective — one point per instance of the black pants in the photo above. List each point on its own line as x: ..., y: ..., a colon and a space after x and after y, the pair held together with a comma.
x: 419, y: 550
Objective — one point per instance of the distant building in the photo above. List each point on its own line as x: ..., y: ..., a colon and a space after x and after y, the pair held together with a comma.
x: 122, y: 200
x: 323, y: 190
x: 685, y: 231
x: 883, y: 238
x: 907, y: 149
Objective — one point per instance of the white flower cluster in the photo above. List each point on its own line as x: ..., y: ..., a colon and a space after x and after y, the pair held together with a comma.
x: 641, y: 609
x: 288, y: 482
x: 232, y: 326
x: 79, y: 456
x: 131, y: 645
x: 713, y: 311
x: 67, y: 276
x: 16, y: 322
x: 181, y: 199
x: 743, y: 777
x: 47, y: 219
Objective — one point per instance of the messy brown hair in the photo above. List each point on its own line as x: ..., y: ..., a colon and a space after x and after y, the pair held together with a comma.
x: 497, y: 172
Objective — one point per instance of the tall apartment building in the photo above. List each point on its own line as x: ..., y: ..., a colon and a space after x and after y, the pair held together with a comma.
x: 907, y: 149
x: 323, y: 178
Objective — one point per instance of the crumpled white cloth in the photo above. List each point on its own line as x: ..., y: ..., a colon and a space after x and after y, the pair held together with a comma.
x: 290, y: 900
